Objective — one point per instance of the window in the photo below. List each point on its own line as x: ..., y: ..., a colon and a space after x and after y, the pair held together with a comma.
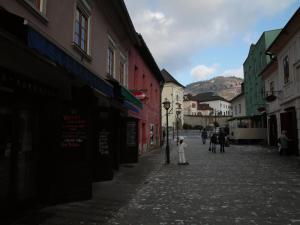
x: 39, y: 5
x: 193, y: 105
x: 271, y: 86
x: 240, y: 108
x: 235, y: 110
x: 286, y: 71
x: 123, y: 70
x: 111, y: 59
x: 81, y: 34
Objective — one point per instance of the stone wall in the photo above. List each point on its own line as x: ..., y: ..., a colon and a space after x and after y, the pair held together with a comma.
x: 206, y: 120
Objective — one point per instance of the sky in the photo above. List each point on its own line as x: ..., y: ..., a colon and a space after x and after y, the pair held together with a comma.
x: 196, y: 40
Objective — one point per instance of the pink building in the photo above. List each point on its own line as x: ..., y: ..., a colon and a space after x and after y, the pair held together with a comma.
x: 145, y: 82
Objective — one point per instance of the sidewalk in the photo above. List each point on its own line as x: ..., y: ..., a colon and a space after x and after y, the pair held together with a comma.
x: 108, y: 197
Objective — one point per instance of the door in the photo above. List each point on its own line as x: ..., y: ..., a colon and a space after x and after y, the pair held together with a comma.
x: 17, y: 158
x: 273, y: 130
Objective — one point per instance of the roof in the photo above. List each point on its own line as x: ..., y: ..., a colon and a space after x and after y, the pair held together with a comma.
x: 292, y: 26
x: 169, y: 78
x: 207, y: 97
x: 147, y: 56
x: 236, y: 97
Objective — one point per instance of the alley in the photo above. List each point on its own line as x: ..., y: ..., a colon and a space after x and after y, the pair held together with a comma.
x: 244, y: 185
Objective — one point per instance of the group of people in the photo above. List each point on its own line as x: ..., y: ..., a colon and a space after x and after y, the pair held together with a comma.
x: 221, y: 138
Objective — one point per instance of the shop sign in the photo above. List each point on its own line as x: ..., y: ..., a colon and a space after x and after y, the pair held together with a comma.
x: 139, y: 94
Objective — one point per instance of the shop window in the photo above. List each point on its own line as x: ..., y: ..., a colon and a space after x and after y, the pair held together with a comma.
x: 82, y: 27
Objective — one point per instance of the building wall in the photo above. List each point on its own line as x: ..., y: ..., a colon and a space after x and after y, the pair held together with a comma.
x: 253, y: 65
x: 58, y: 25
x: 206, y: 120
x: 142, y: 78
x: 190, y: 108
x: 171, y: 91
x: 238, y: 106
x: 220, y: 106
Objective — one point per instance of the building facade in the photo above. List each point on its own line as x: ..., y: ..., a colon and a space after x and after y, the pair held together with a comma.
x: 173, y: 91
x: 282, y: 84
x: 67, y: 118
x: 253, y: 65
x: 146, y: 82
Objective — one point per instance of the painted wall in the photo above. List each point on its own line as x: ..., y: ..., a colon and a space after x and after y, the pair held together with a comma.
x: 238, y: 106
x: 190, y: 108
x: 174, y: 93
x: 220, y: 106
x: 142, y: 78
x: 206, y: 120
x: 58, y: 25
x: 253, y: 65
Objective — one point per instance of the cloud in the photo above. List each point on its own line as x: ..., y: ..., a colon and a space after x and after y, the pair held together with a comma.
x: 202, y: 72
x: 175, y: 30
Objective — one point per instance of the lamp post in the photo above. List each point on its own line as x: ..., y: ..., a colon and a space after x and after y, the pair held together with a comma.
x: 167, y: 105
x: 178, y: 111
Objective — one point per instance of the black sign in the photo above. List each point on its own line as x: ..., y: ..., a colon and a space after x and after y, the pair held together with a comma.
x: 131, y: 138
x: 104, y: 142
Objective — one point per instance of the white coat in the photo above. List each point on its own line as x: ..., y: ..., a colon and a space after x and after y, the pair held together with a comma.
x: 181, y: 153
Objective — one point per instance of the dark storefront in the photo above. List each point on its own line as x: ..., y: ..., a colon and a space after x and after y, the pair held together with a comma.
x: 288, y: 122
x: 55, y: 131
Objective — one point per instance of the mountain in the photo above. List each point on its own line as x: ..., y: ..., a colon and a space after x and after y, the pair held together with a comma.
x: 226, y: 87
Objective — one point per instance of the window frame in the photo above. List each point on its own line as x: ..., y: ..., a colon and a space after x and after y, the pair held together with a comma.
x: 111, y: 61
x: 84, y: 10
x: 124, y: 68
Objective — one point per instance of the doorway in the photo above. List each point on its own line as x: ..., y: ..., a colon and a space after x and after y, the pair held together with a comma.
x: 273, y: 136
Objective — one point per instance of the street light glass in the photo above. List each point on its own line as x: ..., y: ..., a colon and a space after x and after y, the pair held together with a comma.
x: 167, y: 104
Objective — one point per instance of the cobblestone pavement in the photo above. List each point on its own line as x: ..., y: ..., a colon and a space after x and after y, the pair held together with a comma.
x: 244, y: 185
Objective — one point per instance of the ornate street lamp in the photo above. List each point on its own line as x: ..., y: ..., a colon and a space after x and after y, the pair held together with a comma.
x: 167, y: 105
x: 178, y: 111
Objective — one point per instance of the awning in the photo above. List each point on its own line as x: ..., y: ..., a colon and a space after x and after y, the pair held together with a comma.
x: 46, y: 48
x: 131, y: 98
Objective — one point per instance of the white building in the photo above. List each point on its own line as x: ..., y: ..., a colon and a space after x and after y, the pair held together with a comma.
x: 282, y: 84
x: 173, y: 91
x: 220, y: 106
x: 238, y: 106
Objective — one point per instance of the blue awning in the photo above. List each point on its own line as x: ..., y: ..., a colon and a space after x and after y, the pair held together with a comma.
x: 129, y: 106
x: 46, y: 48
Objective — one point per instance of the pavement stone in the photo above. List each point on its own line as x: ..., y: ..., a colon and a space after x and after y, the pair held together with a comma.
x: 244, y: 185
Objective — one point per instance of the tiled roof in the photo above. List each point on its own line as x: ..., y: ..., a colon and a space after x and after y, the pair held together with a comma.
x: 169, y: 78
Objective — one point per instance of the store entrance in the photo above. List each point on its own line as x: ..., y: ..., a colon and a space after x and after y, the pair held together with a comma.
x: 17, y: 156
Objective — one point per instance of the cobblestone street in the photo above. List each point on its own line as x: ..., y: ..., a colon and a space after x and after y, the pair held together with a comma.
x: 244, y: 185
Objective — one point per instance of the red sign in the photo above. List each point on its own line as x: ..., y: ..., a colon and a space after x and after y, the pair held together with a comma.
x: 139, y: 94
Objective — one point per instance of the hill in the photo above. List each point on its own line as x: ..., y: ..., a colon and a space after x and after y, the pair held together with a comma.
x: 226, y: 87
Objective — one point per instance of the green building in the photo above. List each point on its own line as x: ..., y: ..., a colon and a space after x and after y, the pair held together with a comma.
x: 253, y: 66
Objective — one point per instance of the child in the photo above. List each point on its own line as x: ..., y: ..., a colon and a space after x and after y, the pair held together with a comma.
x: 181, y: 147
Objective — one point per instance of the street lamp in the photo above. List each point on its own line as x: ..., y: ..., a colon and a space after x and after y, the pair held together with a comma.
x: 167, y: 105
x: 178, y: 111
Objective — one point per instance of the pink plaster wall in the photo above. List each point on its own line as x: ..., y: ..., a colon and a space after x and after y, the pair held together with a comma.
x: 150, y: 114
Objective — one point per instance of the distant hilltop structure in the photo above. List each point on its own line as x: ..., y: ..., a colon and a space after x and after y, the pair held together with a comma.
x: 226, y: 87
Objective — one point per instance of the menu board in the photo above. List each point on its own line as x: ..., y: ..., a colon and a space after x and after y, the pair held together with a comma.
x: 73, y: 131
x: 104, y: 142
x: 131, y: 138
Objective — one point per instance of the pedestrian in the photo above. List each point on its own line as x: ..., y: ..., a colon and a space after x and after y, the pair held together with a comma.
x: 213, y: 142
x: 204, y: 136
x: 283, y: 141
x: 222, y: 141
x: 181, y: 152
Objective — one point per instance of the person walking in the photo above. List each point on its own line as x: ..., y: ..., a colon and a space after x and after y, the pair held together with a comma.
x: 213, y: 142
x: 204, y: 136
x: 181, y: 152
x: 222, y: 141
x: 283, y: 140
